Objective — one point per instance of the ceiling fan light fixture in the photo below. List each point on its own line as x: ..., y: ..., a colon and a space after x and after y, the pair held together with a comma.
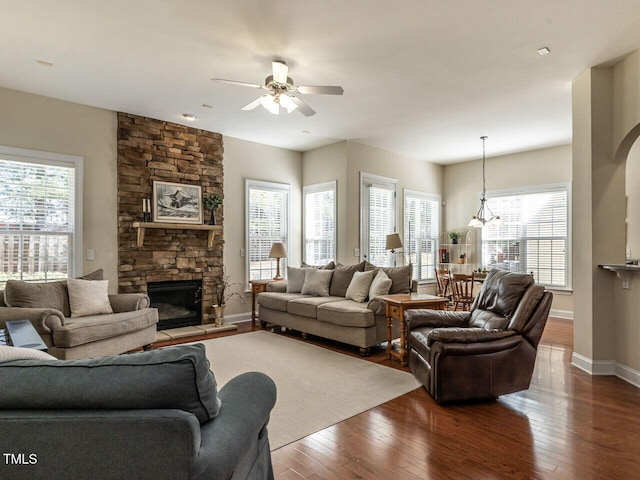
x: 286, y: 102
x: 270, y: 104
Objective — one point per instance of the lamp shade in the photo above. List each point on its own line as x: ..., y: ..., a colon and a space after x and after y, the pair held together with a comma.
x: 278, y: 250
x: 393, y: 241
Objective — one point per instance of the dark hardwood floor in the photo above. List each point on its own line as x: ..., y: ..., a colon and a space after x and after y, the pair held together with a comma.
x: 568, y: 425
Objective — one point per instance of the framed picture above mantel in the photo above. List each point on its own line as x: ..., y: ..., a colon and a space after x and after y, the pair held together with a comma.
x: 177, y: 203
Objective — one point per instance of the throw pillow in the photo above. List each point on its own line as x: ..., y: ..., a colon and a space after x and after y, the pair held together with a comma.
x: 8, y: 354
x: 316, y: 282
x: 381, y: 285
x: 88, y: 297
x: 342, y: 276
x: 328, y: 266
x: 295, y: 279
x: 400, y: 278
x: 359, y: 286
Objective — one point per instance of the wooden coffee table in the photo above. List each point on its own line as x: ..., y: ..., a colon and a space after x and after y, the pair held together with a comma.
x: 395, y: 307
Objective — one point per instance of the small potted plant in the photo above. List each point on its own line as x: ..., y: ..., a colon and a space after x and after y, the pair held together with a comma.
x: 454, y: 236
x: 212, y: 203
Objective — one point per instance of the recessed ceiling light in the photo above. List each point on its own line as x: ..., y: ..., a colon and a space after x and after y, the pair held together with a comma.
x: 544, y: 51
x: 44, y: 63
x: 189, y: 116
x: 206, y: 106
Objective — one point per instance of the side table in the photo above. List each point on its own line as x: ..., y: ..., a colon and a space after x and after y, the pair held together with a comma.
x: 257, y: 286
x: 395, y: 307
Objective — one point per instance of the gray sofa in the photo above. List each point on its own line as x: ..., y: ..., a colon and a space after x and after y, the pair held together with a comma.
x: 46, y: 305
x: 331, y: 314
x: 151, y: 415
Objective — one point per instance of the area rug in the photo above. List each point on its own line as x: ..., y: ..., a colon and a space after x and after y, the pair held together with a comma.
x: 317, y: 388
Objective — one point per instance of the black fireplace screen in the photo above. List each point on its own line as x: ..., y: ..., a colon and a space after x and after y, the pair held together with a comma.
x: 179, y: 303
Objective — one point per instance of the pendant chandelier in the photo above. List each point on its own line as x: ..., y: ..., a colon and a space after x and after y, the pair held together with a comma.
x: 484, y: 216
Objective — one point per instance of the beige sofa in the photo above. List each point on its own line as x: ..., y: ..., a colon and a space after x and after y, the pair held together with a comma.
x: 46, y: 305
x: 334, y: 314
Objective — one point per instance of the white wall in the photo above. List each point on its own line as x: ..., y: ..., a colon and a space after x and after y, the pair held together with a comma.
x: 254, y: 161
x: 41, y: 123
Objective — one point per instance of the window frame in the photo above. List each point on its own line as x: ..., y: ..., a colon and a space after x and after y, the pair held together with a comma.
x: 537, y: 189
x: 15, y: 154
x: 265, y: 185
x: 367, y: 180
x: 431, y: 197
x: 319, y: 188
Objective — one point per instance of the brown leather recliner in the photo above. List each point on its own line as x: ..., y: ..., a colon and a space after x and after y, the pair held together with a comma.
x: 486, y: 352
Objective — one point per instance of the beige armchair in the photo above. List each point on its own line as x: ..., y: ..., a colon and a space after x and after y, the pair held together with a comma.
x: 46, y: 305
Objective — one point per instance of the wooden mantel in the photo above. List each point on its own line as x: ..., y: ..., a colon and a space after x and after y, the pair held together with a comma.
x: 142, y: 228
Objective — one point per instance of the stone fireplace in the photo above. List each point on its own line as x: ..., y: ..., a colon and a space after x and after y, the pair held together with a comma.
x: 152, y: 150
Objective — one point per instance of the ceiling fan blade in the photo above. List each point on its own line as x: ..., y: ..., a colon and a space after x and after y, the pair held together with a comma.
x: 280, y: 71
x: 252, y: 105
x: 243, y: 84
x: 322, y: 90
x: 303, y: 108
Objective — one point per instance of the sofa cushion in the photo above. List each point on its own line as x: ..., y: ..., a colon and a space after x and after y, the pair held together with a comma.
x: 306, y: 306
x: 81, y: 330
x: 175, y: 377
x: 341, y: 279
x: 400, y: 278
x: 295, y: 279
x: 359, y: 287
x: 38, y: 295
x: 276, y: 300
x: 88, y: 297
x: 380, y: 285
x: 316, y: 282
x: 346, y: 313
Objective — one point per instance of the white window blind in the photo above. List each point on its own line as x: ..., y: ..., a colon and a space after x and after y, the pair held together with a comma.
x: 421, y: 231
x: 319, y: 223
x: 37, y: 217
x: 534, y: 237
x: 267, y: 222
x: 378, y: 218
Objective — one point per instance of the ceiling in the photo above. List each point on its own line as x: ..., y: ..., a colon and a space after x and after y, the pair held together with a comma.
x: 422, y: 78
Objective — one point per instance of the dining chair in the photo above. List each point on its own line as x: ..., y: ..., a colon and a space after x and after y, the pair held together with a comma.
x: 443, y: 283
x: 462, y: 290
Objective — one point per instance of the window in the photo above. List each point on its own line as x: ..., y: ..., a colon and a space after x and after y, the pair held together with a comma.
x: 378, y: 218
x: 535, y: 234
x: 421, y: 231
x: 40, y: 214
x: 319, y: 207
x: 267, y: 222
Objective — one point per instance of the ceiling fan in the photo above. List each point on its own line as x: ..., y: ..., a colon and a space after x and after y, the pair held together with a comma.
x: 283, y: 93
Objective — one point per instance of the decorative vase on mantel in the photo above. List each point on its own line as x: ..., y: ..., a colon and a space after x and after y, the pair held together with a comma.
x: 218, y: 312
x: 212, y: 220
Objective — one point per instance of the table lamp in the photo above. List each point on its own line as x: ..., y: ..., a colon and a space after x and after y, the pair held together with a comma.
x: 278, y: 251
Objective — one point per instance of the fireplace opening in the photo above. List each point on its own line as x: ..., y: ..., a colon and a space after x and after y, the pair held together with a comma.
x: 179, y: 303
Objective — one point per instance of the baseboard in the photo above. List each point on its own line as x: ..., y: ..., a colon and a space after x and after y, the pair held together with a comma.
x: 237, y: 317
x: 606, y: 367
x: 628, y: 374
x: 566, y: 314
